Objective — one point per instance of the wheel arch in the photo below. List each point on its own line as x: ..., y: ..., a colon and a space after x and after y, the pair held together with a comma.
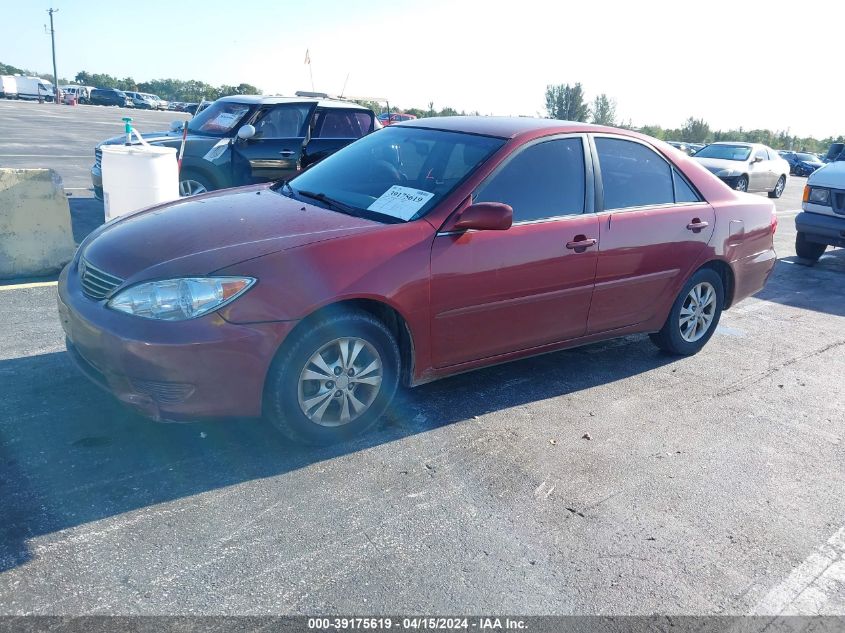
x: 726, y: 273
x: 201, y: 170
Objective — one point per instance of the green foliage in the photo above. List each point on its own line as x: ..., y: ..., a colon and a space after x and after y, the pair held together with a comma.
x: 695, y: 131
x: 566, y: 102
x: 604, y: 110
x: 168, y: 89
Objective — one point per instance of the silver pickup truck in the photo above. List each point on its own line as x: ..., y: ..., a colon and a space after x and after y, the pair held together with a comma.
x: 822, y: 222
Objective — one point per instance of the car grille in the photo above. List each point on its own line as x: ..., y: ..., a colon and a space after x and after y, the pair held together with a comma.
x: 163, y: 392
x: 96, y: 284
x: 837, y: 199
x: 98, y: 157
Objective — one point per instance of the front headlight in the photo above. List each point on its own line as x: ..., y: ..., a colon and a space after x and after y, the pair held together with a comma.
x: 727, y: 173
x: 819, y: 196
x: 179, y: 299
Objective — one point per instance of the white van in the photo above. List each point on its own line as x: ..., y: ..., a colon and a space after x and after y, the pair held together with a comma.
x: 82, y: 93
x: 33, y: 88
x: 8, y: 87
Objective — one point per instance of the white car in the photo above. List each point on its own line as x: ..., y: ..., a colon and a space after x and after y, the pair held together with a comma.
x: 746, y: 166
x: 822, y: 222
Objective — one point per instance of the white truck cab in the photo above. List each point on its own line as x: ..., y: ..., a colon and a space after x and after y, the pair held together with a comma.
x: 822, y: 221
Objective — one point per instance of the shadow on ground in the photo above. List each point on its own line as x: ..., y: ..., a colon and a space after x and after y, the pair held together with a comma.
x: 70, y: 454
x: 817, y: 286
x: 86, y: 214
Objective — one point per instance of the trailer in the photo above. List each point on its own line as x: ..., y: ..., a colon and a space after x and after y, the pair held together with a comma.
x: 8, y: 87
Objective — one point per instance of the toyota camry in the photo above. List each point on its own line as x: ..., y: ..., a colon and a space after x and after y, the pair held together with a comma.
x: 429, y: 248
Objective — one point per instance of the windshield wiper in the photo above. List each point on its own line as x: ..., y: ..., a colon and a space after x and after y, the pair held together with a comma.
x: 337, y: 205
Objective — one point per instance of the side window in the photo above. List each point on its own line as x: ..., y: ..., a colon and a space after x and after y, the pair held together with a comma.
x: 335, y: 123
x: 761, y: 153
x: 633, y: 175
x: 683, y: 191
x: 773, y: 155
x: 545, y: 180
x: 282, y: 121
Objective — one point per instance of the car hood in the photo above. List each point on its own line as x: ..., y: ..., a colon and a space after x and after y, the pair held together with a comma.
x: 830, y: 175
x: 162, y: 138
x: 202, y: 234
x: 718, y: 164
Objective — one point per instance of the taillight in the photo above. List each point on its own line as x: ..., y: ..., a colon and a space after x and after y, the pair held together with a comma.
x: 774, y: 222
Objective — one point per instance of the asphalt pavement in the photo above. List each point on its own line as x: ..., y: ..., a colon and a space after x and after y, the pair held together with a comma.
x: 708, y: 485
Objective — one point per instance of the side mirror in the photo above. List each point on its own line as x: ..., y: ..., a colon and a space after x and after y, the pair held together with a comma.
x: 246, y: 131
x: 484, y: 216
x: 757, y: 159
x: 176, y: 126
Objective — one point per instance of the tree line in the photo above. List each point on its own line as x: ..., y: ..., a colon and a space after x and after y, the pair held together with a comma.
x: 168, y: 89
x: 568, y: 102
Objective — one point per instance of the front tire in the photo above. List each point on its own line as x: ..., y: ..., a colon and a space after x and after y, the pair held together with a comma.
x: 694, y: 315
x: 741, y: 183
x: 192, y: 183
x: 335, y: 381
x: 808, y: 250
x: 777, y: 192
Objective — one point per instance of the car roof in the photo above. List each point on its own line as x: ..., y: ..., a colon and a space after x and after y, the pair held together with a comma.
x: 501, y: 126
x: 271, y: 100
x: 738, y: 143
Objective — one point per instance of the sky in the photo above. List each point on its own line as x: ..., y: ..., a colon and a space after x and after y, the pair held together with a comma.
x: 749, y: 63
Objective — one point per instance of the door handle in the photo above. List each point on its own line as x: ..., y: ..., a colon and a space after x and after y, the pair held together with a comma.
x: 581, y: 243
x: 287, y: 152
x: 696, y: 225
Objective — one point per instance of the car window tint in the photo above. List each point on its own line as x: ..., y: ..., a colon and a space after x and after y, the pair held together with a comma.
x: 761, y: 153
x: 338, y: 124
x: 683, y: 192
x: 633, y: 175
x: 543, y: 181
x: 285, y: 121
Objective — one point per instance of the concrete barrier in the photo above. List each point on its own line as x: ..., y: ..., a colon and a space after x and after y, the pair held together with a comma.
x: 35, y: 230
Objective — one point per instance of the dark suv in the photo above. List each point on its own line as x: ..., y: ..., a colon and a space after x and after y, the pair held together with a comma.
x: 241, y: 140
x: 111, y: 97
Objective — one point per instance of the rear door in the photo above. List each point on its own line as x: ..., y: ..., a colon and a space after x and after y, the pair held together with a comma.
x: 276, y: 150
x: 494, y: 292
x: 653, y: 228
x: 334, y: 128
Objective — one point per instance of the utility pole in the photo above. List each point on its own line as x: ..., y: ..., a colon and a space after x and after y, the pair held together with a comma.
x: 55, y: 73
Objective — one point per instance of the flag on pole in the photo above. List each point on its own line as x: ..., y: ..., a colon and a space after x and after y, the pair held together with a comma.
x: 307, y: 57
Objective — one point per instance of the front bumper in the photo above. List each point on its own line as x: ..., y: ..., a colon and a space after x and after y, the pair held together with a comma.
x: 175, y: 371
x: 730, y: 181
x: 97, y: 181
x: 822, y: 229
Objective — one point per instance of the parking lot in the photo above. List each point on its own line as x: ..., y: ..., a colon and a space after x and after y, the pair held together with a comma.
x: 609, y: 479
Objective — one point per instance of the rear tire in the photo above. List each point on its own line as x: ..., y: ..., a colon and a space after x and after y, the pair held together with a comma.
x: 326, y: 401
x: 808, y: 250
x: 688, y: 326
x: 777, y: 192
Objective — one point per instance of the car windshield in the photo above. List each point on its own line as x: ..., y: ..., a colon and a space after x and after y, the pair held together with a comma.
x: 724, y: 152
x: 810, y: 158
x: 220, y: 118
x: 398, y: 172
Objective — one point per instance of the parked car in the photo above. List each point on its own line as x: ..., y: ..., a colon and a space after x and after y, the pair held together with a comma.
x: 247, y: 139
x: 802, y: 163
x: 34, y: 88
x: 8, y: 87
x: 157, y: 102
x: 695, y: 147
x: 386, y: 118
x: 141, y: 101
x: 822, y: 220
x: 111, y: 97
x: 681, y: 146
x: 429, y: 248
x: 82, y: 94
x: 746, y: 166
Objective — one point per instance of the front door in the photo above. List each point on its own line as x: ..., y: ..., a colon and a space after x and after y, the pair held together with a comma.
x: 494, y: 292
x: 275, y: 151
x: 652, y: 230
x: 760, y: 172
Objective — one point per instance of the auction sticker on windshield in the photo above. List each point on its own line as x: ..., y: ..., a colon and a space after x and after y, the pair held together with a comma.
x: 401, y: 202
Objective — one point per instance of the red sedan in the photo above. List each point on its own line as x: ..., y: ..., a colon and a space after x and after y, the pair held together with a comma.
x: 433, y: 247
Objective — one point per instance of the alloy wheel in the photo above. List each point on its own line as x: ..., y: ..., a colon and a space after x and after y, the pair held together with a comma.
x: 191, y: 188
x: 780, y: 186
x: 340, y: 381
x: 697, y: 312
x: 742, y: 184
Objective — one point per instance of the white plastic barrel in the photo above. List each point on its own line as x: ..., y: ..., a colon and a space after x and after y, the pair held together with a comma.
x: 138, y: 176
